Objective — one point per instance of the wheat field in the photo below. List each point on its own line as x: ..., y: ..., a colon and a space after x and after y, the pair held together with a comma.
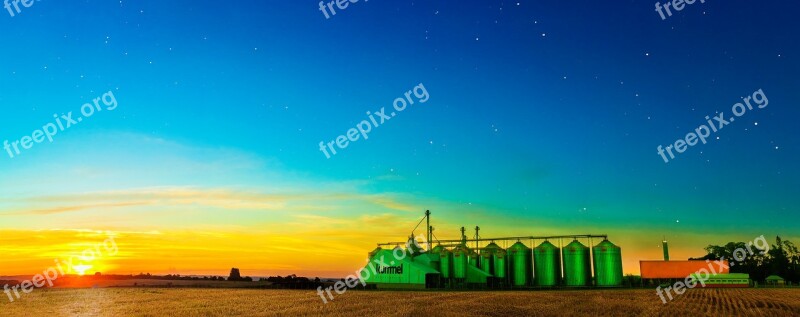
x: 248, y: 302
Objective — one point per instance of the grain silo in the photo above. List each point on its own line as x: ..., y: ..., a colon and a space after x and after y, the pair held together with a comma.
x: 607, y: 264
x: 519, y: 256
x: 500, y: 264
x: 488, y: 257
x: 546, y: 265
x: 460, y: 262
x: 577, y: 264
x: 445, y: 261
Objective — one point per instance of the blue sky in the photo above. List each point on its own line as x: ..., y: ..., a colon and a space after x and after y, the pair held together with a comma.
x: 544, y: 113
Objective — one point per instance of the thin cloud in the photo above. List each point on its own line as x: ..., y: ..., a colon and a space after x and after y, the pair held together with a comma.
x: 58, y: 210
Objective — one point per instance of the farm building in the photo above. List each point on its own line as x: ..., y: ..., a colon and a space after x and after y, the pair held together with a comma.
x: 713, y: 273
x: 529, y: 262
x: 722, y: 280
x: 680, y: 269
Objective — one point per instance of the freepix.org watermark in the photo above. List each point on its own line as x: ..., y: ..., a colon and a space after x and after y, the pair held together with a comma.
x: 363, y: 128
x: 719, y: 121
x: 678, y: 5
x: 48, y: 276
x: 325, y: 8
x: 13, y: 6
x: 702, y: 275
x: 361, y: 275
x: 63, y: 122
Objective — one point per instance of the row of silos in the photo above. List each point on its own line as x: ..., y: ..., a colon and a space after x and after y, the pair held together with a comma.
x: 541, y: 267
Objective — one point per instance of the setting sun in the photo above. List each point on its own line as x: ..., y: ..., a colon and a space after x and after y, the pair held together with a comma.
x: 81, y: 269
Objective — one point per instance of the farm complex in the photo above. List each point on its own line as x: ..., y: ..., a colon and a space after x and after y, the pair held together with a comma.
x: 530, y: 262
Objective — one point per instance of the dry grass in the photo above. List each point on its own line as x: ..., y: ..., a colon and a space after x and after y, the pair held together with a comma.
x: 238, y: 302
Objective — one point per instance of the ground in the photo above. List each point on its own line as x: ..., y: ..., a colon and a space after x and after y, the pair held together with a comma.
x: 250, y: 302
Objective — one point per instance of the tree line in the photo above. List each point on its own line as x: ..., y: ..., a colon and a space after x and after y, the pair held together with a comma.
x: 782, y: 259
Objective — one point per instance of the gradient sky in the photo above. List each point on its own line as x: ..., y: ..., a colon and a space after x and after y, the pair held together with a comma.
x: 543, y: 118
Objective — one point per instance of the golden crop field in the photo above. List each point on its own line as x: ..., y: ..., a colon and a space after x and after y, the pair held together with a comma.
x: 238, y: 302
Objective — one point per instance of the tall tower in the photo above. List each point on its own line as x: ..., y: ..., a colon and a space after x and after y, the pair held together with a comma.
x: 430, y: 229
x: 665, y: 246
x: 477, y: 236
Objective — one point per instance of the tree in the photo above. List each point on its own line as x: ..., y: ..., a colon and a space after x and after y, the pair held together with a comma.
x: 784, y: 260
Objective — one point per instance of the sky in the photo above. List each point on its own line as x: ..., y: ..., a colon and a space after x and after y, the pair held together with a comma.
x: 539, y: 118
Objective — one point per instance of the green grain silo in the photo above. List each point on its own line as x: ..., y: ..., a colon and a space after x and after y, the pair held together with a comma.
x: 546, y: 264
x: 519, y: 256
x: 577, y: 264
x: 445, y: 260
x: 488, y: 257
x: 500, y: 264
x: 607, y: 264
x: 474, y: 259
x: 460, y: 259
